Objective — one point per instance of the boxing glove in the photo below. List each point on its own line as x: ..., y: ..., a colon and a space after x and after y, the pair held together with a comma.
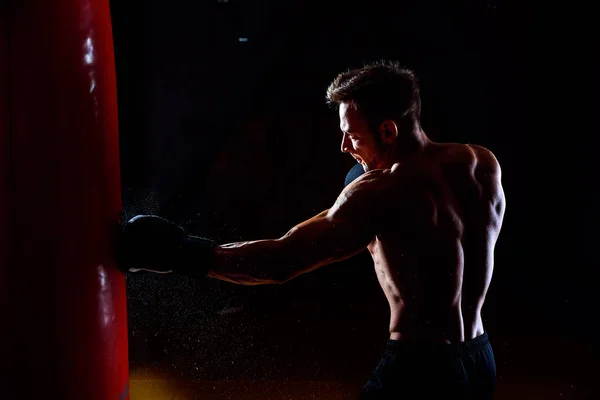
x: 356, y: 171
x: 152, y: 243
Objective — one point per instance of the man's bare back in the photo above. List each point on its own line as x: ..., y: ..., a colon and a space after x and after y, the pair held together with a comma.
x: 433, y: 254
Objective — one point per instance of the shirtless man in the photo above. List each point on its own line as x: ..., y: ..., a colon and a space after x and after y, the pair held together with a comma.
x: 429, y: 214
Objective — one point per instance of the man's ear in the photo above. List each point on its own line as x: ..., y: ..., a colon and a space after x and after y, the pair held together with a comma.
x: 388, y: 131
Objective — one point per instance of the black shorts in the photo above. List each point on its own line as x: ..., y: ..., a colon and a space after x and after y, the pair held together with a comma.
x: 464, y: 370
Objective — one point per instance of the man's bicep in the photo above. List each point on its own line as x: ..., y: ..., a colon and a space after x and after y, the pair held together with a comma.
x: 362, y: 203
x: 355, y: 216
x: 333, y: 235
x: 305, y: 223
x: 327, y: 238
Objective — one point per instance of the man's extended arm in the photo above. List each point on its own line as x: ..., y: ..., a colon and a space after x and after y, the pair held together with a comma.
x: 154, y: 244
x: 333, y: 235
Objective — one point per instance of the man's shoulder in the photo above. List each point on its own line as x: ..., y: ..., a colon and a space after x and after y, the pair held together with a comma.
x: 482, y: 152
x: 369, y: 178
x: 470, y: 153
x: 487, y: 163
x: 455, y: 148
x: 373, y: 182
x: 365, y: 192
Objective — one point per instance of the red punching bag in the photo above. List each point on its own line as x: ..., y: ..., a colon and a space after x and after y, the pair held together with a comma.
x: 64, y: 322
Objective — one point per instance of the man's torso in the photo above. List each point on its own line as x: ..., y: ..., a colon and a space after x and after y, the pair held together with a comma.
x: 433, y: 254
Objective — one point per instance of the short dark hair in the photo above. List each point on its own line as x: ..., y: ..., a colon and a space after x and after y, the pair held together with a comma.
x: 381, y: 90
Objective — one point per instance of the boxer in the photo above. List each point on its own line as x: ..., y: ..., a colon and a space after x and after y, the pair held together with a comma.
x: 429, y: 214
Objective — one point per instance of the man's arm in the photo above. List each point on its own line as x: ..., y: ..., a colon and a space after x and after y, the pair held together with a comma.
x: 331, y: 236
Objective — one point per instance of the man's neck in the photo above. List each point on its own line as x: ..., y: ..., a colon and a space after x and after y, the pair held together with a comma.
x: 407, y: 145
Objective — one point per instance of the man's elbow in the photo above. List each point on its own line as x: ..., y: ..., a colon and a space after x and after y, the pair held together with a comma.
x: 283, y: 280
x: 243, y: 279
x: 276, y: 276
x: 285, y: 273
x: 280, y: 278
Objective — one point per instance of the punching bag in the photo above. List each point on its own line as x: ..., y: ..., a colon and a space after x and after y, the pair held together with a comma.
x: 64, y: 332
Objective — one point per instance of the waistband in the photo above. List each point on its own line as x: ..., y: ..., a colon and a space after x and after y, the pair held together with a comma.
x: 460, y: 348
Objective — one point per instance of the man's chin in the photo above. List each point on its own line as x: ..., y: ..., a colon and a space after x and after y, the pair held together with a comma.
x: 363, y: 164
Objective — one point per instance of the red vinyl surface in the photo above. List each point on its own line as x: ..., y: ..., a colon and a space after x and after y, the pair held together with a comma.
x: 66, y: 320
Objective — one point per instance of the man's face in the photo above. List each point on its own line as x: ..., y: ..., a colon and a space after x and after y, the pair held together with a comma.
x: 357, y: 139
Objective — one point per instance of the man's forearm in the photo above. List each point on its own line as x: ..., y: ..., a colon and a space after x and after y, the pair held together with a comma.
x: 251, y: 263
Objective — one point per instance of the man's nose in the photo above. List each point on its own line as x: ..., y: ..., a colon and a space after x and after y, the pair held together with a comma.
x: 345, y: 143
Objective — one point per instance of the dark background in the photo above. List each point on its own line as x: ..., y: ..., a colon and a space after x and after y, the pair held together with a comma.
x: 232, y: 139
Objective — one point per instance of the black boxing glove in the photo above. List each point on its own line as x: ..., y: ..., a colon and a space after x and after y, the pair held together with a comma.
x: 151, y: 243
x: 354, y: 173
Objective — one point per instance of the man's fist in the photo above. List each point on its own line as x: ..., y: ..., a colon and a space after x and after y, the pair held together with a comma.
x: 152, y: 243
